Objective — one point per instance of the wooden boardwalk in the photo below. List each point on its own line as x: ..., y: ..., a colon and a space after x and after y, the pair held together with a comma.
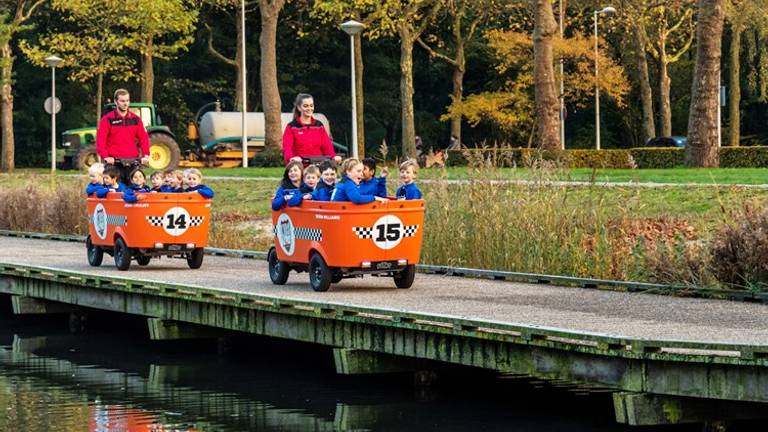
x: 635, y: 344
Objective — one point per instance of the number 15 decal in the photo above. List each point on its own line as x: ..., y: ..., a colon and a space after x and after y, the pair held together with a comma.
x: 387, y: 232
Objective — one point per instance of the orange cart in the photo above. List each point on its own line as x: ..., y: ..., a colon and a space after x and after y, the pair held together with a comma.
x: 161, y: 224
x: 336, y: 240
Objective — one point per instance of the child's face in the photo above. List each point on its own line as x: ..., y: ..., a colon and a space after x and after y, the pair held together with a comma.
x: 157, y: 181
x: 329, y: 176
x: 368, y: 173
x: 355, y: 173
x: 407, y: 175
x: 138, y: 178
x: 110, y: 181
x: 294, y: 174
x: 193, y: 180
x: 95, y: 178
x: 172, y: 181
x: 311, y: 180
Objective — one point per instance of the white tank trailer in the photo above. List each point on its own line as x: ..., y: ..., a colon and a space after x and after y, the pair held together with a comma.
x: 218, y: 125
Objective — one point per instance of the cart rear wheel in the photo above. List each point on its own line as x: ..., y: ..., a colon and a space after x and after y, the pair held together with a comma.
x: 195, y: 258
x: 122, y: 254
x: 278, y: 270
x: 95, y: 253
x: 143, y: 260
x: 319, y: 273
x: 404, y: 278
x: 337, y: 276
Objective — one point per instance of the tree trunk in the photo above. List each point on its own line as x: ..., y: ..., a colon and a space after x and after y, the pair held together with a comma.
x: 665, y: 107
x: 360, y: 102
x: 406, y: 91
x: 547, y: 105
x: 646, y: 94
x: 458, y: 88
x: 734, y: 117
x: 702, y: 148
x: 7, y: 163
x: 270, y: 93
x: 148, y: 76
x: 99, y: 95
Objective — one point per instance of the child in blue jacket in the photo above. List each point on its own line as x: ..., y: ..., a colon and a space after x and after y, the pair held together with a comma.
x: 194, y: 179
x: 288, y: 192
x: 370, y: 184
x: 95, y: 178
x: 409, y: 170
x: 327, y: 183
x: 173, y: 180
x: 139, y: 181
x: 112, y: 184
x: 348, y: 189
x: 311, y: 178
x: 158, y: 180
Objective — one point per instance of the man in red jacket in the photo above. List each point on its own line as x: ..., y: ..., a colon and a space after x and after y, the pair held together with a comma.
x: 121, y: 133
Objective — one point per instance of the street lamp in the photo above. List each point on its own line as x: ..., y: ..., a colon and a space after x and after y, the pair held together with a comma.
x: 244, y: 138
x: 352, y: 28
x: 562, y: 80
x: 605, y: 10
x: 53, y: 61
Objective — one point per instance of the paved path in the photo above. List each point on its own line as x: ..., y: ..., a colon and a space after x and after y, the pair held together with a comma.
x: 617, y: 314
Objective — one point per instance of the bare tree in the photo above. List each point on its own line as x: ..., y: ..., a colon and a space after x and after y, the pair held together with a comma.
x: 702, y: 148
x: 270, y: 93
x: 547, y: 121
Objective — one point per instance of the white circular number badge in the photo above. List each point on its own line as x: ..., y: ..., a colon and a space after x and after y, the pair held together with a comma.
x: 176, y: 221
x: 100, y: 221
x: 286, y: 234
x: 387, y: 232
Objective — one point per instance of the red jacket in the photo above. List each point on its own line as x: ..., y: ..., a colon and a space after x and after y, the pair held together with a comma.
x: 306, y: 140
x: 117, y: 136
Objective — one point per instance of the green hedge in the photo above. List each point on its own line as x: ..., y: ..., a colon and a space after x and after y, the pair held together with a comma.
x: 730, y: 157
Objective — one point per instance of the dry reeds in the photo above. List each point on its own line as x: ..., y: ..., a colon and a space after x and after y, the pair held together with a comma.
x: 35, y: 207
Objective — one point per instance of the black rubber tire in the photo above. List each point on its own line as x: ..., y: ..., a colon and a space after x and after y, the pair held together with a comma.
x: 143, y: 260
x: 122, y: 254
x: 195, y: 258
x: 278, y: 270
x: 404, y: 278
x: 165, y: 140
x: 337, y: 277
x: 95, y: 253
x: 86, y: 157
x: 319, y: 274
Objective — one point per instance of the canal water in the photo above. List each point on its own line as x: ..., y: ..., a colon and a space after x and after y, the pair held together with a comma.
x: 108, y: 377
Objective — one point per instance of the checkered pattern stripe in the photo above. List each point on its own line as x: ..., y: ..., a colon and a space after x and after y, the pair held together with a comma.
x: 363, y: 232
x: 410, y: 230
x: 311, y: 234
x: 196, y: 220
x: 155, y: 220
x: 116, y: 220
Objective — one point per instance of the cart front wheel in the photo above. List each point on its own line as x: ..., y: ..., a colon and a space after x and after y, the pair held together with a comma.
x: 278, y: 270
x: 319, y: 273
x: 122, y: 254
x: 95, y: 253
x: 195, y: 258
x: 404, y: 278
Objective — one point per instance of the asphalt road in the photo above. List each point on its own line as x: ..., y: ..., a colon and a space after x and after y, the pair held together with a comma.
x: 616, y: 314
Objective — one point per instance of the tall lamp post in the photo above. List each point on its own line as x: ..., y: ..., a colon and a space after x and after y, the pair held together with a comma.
x: 352, y: 28
x: 605, y: 10
x: 562, y: 81
x: 53, y: 61
x: 243, y: 125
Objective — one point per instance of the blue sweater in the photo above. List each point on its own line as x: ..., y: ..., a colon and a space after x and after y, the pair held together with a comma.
x: 290, y: 196
x: 323, y: 191
x: 92, y: 188
x: 128, y: 194
x: 347, y: 190
x: 136, y: 188
x: 408, y: 192
x: 375, y: 186
x: 203, y: 190
x: 169, y: 189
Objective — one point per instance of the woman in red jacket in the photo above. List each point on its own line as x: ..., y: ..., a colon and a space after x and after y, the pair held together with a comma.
x: 305, y: 136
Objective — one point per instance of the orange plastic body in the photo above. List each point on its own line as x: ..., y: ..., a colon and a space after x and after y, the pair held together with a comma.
x: 348, y: 235
x: 167, y: 218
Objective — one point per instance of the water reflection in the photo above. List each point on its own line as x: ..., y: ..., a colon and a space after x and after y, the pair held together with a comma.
x: 96, y: 382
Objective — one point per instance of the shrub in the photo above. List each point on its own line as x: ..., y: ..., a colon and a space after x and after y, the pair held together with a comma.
x: 268, y: 157
x: 739, y: 248
x: 744, y: 157
x: 36, y: 208
x: 658, y: 157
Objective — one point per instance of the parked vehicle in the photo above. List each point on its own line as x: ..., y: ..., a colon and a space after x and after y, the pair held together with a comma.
x: 669, y: 141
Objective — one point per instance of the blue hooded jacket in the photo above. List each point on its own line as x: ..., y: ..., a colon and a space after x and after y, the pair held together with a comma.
x: 170, y: 189
x: 135, y: 188
x: 323, y: 191
x: 286, y: 194
x: 203, y: 190
x: 347, y: 190
x: 92, y: 188
x: 128, y: 194
x: 375, y: 186
x: 408, y: 192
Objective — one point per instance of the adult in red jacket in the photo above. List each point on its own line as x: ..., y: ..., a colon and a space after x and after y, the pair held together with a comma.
x: 306, y: 136
x: 121, y: 134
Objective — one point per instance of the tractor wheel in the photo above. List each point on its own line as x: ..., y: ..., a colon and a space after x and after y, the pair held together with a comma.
x: 95, y: 253
x: 87, y: 157
x: 122, y: 254
x: 164, y: 152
